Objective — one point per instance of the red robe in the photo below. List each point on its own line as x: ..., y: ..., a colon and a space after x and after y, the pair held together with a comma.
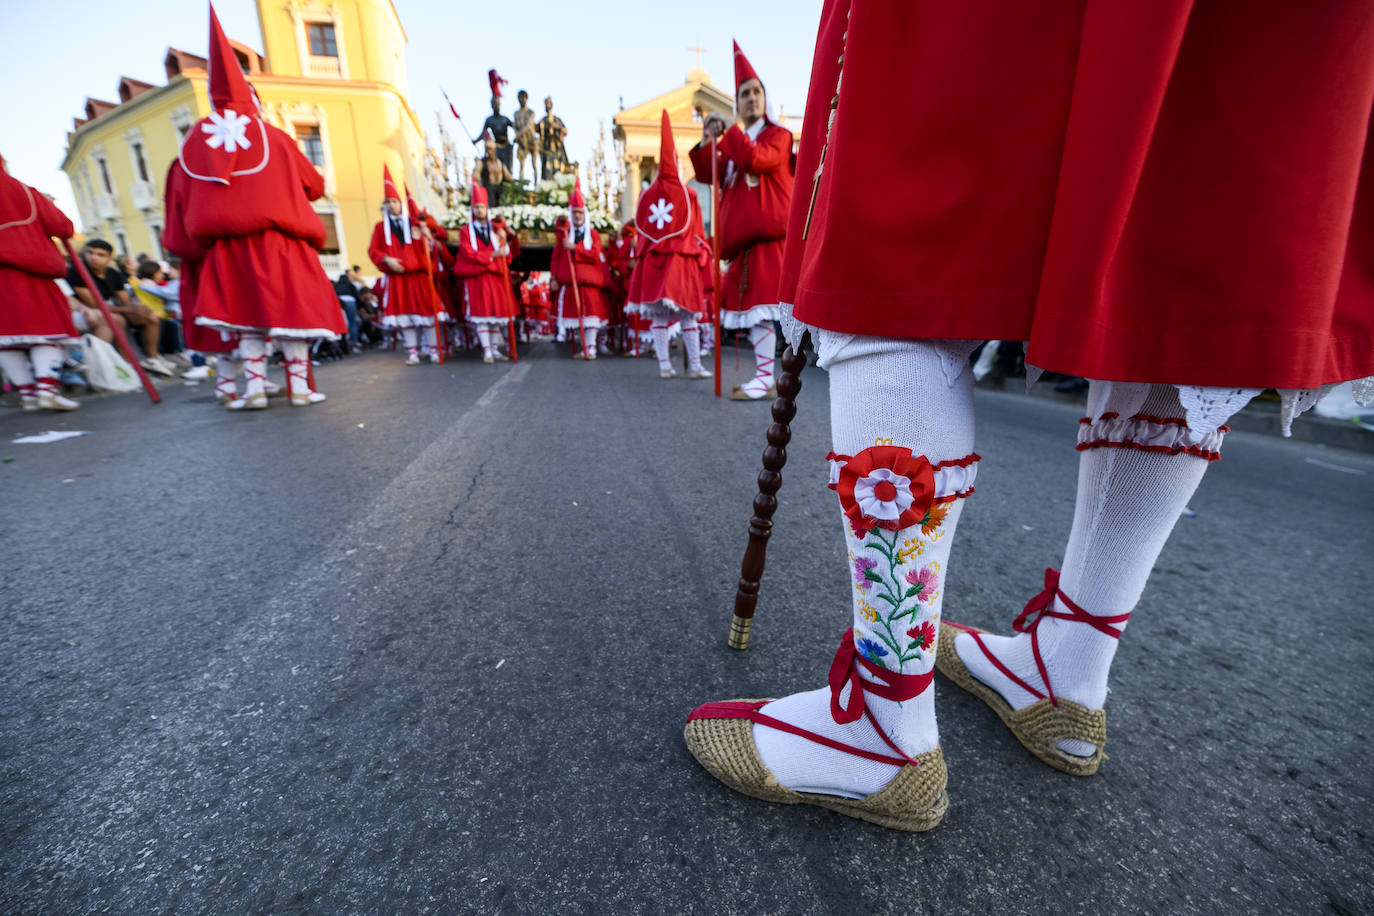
x: 756, y: 183
x: 409, y: 299
x: 1163, y: 191
x: 174, y: 238
x: 32, y: 309
x: 669, y: 274
x: 593, y: 281
x: 486, y: 282
x: 258, y: 240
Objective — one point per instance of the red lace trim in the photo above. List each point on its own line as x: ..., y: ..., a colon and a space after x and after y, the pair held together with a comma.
x: 844, y: 670
x: 1203, y: 453
x: 1028, y: 621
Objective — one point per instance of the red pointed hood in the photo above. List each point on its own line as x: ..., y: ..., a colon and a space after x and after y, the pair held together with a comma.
x: 228, y: 88
x: 389, y: 189
x: 231, y: 140
x: 413, y: 209
x: 666, y: 207
x: 575, y: 199
x: 743, y: 69
x: 479, y: 194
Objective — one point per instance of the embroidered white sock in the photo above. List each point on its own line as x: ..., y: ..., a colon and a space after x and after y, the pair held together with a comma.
x: 484, y: 336
x: 763, y: 339
x: 226, y: 375
x: 589, y: 341
x: 1128, y: 501
x: 429, y: 343
x: 253, y: 350
x: 899, y: 392
x: 296, y: 354
x: 665, y: 361
x: 691, y: 340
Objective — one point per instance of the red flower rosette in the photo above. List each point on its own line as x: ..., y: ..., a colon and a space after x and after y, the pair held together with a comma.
x: 885, y: 486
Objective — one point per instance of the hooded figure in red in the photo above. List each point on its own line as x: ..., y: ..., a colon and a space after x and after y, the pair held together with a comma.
x: 239, y: 202
x: 482, y: 263
x: 440, y: 259
x: 1173, y: 200
x: 35, y: 318
x: 666, y: 286
x: 754, y: 168
x: 624, y: 259
x: 578, y: 253
x: 400, y: 248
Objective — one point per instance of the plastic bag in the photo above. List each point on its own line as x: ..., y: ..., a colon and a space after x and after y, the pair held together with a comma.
x: 105, y: 368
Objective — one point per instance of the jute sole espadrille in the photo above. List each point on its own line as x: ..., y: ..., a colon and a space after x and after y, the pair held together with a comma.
x: 1040, y: 726
x: 914, y: 800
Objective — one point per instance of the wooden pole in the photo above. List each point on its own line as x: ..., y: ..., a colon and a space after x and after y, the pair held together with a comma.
x: 766, y: 501
x: 715, y: 258
x: 120, y: 339
x: 577, y: 294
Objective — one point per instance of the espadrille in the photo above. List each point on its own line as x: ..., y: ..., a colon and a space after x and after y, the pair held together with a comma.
x: 914, y: 800
x: 1040, y: 726
x: 721, y: 737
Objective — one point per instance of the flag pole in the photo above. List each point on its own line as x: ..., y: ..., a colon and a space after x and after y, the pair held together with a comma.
x: 715, y: 257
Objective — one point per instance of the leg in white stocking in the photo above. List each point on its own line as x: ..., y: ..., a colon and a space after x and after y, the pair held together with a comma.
x: 763, y: 339
x: 430, y: 343
x: 19, y: 371
x: 411, y: 337
x: 297, y: 354
x: 484, y: 335
x: 665, y: 361
x: 896, y: 393
x: 253, y: 350
x: 589, y: 343
x: 47, y: 367
x: 226, y: 376
x: 1128, y: 501
x: 691, y: 342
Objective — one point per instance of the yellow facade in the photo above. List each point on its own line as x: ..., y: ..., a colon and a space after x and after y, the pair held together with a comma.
x: 331, y: 74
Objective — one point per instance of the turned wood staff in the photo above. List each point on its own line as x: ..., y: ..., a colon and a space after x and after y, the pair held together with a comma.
x: 120, y: 339
x: 715, y: 263
x: 577, y: 294
x: 766, y: 501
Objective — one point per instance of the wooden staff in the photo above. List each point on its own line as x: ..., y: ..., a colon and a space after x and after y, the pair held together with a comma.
x: 577, y: 293
x: 510, y: 299
x: 715, y: 262
x: 434, y: 298
x: 120, y: 339
x: 766, y: 501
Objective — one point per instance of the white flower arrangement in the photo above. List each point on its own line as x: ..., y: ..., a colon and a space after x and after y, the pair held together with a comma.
x: 543, y: 217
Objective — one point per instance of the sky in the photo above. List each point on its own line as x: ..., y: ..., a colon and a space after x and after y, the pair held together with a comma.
x: 61, y: 51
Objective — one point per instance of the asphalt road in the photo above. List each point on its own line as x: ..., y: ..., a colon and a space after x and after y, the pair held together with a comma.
x: 428, y: 648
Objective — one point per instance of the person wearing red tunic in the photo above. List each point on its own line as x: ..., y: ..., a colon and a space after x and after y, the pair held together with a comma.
x: 399, y: 248
x: 440, y: 263
x: 1168, y: 199
x: 754, y: 166
x: 243, y: 193
x: 481, y: 263
x: 578, y: 253
x: 35, y: 317
x: 666, y: 285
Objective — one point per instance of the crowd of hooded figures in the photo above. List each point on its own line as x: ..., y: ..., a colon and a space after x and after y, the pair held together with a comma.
x: 1135, y: 198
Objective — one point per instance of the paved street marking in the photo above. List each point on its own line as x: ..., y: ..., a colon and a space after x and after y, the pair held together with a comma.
x: 1335, y: 467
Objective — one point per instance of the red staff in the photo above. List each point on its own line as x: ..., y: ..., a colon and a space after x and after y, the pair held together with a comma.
x: 510, y: 297
x: 715, y: 256
x: 577, y: 293
x: 120, y: 339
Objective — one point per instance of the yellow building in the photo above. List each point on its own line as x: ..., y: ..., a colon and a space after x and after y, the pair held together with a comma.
x: 332, y: 75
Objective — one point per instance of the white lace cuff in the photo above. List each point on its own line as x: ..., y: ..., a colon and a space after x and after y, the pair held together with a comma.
x: 1149, y: 434
x: 953, y: 479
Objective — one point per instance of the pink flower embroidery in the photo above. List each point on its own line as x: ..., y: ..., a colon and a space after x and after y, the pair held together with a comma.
x: 925, y: 580
x: 861, y: 566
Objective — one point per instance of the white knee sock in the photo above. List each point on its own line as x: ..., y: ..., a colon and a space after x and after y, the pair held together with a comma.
x: 226, y: 374
x: 661, y: 350
x: 691, y: 341
x: 430, y: 342
x: 895, y: 392
x: 411, y: 337
x: 1128, y: 501
x: 297, y: 356
x: 763, y: 339
x: 589, y: 341
x: 253, y: 350
x: 19, y: 371
x: 484, y: 335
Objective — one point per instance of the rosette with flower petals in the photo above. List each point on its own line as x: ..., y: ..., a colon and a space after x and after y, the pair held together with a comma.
x: 885, y: 486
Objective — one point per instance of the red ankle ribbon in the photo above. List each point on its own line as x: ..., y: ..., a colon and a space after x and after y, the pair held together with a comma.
x: 1028, y: 621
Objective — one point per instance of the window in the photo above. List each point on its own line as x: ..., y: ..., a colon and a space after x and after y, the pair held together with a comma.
x: 321, y: 36
x: 139, y: 161
x: 123, y: 243
x: 331, y: 233
x: 105, y: 176
x: 308, y: 135
x: 181, y: 132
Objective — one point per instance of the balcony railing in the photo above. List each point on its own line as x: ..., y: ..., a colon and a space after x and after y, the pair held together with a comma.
x: 107, y: 206
x: 143, y: 195
x: 333, y: 264
x: 322, y: 67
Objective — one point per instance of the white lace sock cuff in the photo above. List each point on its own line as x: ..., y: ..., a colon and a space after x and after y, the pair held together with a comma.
x: 953, y: 479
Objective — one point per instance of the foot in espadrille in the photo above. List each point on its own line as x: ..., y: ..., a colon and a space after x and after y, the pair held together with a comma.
x: 913, y: 797
x: 892, y: 404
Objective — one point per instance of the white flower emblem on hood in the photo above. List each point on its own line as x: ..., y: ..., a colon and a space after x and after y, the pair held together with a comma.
x: 661, y: 213
x: 229, y: 130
